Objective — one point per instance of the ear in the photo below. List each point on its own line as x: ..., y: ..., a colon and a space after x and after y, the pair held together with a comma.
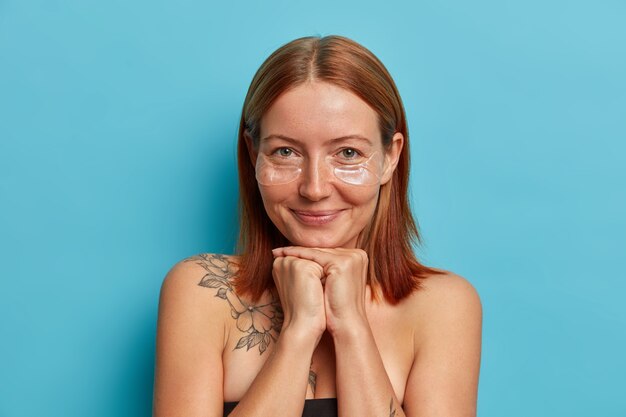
x: 392, y: 156
x: 252, y: 152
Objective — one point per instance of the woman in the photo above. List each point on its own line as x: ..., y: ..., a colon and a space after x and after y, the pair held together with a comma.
x: 325, y: 310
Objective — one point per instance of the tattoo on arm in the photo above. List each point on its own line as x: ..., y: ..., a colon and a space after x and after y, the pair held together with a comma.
x: 392, y: 410
x: 260, y: 324
x: 312, y: 380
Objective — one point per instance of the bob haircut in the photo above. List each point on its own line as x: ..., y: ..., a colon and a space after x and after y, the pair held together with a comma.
x: 393, y: 267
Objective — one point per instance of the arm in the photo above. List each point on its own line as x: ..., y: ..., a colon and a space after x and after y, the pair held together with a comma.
x: 444, y: 377
x: 280, y: 387
x: 363, y: 386
x: 443, y: 380
x: 191, y: 339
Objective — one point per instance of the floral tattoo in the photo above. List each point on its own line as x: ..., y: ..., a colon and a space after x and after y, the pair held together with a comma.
x: 260, y: 323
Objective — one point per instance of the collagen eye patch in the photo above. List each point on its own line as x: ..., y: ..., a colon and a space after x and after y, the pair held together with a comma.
x: 276, y: 170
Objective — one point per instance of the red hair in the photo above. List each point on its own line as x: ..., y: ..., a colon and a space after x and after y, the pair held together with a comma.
x: 393, y: 269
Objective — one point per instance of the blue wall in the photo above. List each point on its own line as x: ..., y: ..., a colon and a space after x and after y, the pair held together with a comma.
x: 117, y: 129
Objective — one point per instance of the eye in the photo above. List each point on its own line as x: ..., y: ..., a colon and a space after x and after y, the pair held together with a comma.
x: 284, y: 152
x: 349, y: 153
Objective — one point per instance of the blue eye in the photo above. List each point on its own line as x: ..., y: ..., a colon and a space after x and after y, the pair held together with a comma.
x: 349, y: 153
x: 284, y: 152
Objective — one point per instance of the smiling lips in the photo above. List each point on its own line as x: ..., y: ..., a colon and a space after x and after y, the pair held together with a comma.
x: 316, y: 218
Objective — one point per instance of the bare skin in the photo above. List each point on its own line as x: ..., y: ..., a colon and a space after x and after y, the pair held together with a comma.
x: 318, y: 334
x: 429, y: 347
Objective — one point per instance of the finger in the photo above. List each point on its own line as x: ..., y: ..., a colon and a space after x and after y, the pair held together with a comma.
x: 322, y: 256
x: 293, y: 249
x: 277, y: 252
x: 296, y: 250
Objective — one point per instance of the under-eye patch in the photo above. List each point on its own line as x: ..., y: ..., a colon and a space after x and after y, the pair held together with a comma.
x: 279, y: 170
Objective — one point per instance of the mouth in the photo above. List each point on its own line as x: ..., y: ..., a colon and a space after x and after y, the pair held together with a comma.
x: 316, y: 218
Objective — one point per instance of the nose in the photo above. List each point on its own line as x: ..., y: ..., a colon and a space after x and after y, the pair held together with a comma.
x: 316, y: 181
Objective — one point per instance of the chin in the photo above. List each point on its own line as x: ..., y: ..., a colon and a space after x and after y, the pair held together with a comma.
x: 316, y: 245
x: 322, y: 242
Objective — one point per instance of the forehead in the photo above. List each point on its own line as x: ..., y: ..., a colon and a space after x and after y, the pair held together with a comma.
x: 320, y: 111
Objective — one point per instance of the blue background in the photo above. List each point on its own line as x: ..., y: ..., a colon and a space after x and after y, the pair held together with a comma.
x: 118, y: 122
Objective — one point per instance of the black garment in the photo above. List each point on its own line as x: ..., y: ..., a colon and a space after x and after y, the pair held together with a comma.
x: 318, y: 407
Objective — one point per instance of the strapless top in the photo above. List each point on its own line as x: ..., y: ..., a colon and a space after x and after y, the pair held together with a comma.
x: 318, y: 407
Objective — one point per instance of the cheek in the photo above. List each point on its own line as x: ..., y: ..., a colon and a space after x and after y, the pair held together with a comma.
x: 273, y: 196
x: 368, y: 209
x: 275, y: 193
x: 361, y: 195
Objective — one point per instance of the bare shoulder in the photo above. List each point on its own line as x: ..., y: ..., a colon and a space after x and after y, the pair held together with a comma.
x: 191, y: 335
x: 203, y: 266
x: 447, y: 344
x: 188, y: 276
x: 190, y: 287
x: 451, y: 288
x: 446, y: 299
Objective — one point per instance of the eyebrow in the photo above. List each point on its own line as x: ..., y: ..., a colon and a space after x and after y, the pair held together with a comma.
x: 339, y: 139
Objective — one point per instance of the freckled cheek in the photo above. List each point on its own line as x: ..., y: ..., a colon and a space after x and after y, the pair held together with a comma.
x: 363, y: 207
x: 276, y: 194
x: 360, y: 196
x: 274, y: 198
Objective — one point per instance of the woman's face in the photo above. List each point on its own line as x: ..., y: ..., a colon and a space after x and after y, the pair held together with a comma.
x: 320, y: 164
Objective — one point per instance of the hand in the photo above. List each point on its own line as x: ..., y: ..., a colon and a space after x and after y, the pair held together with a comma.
x: 344, y: 275
x: 299, y: 286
